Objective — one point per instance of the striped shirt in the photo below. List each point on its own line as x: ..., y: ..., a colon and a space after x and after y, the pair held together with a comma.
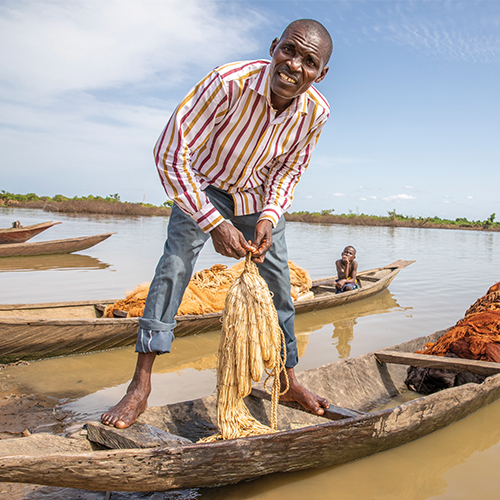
x: 225, y: 133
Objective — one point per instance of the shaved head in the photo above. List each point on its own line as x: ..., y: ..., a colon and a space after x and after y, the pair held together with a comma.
x: 317, y: 29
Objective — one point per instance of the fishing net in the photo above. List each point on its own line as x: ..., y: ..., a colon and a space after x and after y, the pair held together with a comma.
x: 250, y: 344
x: 206, y: 291
x: 477, y: 335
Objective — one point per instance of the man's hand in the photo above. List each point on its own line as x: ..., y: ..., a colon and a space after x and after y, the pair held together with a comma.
x: 263, y: 240
x: 230, y: 242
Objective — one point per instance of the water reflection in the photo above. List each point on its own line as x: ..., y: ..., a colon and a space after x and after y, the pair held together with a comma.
x: 51, y: 262
x: 343, y: 320
x: 343, y: 333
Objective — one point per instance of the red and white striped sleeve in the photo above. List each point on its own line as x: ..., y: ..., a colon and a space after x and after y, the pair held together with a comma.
x: 188, y: 129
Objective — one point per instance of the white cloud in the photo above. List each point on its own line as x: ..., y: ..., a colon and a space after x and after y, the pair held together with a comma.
x: 372, y: 197
x: 399, y: 197
x: 49, y: 47
x: 470, y: 197
x: 446, y: 201
x: 363, y: 199
x: 338, y: 194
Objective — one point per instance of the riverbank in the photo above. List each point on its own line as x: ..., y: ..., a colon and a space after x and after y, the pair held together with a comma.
x: 392, y: 221
x: 112, y: 205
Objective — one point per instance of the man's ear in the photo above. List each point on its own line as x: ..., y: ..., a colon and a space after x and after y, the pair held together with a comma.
x: 273, y: 46
x: 322, y: 75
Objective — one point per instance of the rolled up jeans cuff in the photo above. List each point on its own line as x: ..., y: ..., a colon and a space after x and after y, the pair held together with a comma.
x: 154, y: 341
x: 157, y: 325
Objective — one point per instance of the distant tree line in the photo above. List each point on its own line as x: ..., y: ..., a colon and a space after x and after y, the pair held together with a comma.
x: 90, y: 204
x: 112, y: 204
x: 393, y: 219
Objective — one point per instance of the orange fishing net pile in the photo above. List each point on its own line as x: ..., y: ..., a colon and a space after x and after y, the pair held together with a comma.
x: 206, y: 291
x: 133, y: 303
x: 477, y: 336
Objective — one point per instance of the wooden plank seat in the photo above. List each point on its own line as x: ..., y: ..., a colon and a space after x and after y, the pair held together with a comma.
x: 431, y: 361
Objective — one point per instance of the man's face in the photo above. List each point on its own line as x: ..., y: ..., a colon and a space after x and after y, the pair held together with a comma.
x: 298, y: 61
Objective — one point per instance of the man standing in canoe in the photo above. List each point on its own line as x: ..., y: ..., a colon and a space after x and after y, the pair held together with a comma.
x: 234, y: 150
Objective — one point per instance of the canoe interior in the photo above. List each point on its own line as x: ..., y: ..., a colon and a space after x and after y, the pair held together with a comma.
x: 55, y: 310
x: 360, y: 384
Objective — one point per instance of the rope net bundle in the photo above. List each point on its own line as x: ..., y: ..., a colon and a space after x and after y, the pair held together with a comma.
x: 250, y: 344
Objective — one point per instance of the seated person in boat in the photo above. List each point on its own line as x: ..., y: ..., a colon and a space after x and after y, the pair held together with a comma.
x: 229, y: 158
x: 347, y: 268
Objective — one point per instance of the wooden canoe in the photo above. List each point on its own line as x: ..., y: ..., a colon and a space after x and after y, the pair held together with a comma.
x: 374, y: 412
x: 23, y: 233
x: 34, y: 331
x: 66, y: 245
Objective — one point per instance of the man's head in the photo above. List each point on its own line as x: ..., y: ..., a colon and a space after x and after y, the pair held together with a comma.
x: 299, y: 59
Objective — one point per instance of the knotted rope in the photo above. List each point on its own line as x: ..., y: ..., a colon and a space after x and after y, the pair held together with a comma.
x: 251, y: 343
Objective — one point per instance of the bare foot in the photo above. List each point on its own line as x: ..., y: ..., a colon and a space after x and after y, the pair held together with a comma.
x: 126, y: 411
x: 301, y: 395
x: 135, y: 401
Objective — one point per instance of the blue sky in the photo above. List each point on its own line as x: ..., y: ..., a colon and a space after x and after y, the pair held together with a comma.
x: 86, y: 87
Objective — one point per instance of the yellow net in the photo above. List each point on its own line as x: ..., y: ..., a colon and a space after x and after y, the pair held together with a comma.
x: 250, y: 344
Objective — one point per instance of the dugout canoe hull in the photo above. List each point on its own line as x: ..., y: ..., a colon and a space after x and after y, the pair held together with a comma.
x: 67, y: 245
x: 361, y: 383
x: 34, y: 331
x: 21, y: 234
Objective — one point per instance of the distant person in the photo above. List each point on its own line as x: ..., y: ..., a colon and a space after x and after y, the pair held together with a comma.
x: 230, y: 158
x: 347, y: 268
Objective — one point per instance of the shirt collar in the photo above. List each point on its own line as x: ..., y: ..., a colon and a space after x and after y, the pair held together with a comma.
x: 261, y: 84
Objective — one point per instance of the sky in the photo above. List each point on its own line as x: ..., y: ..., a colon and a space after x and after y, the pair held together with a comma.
x: 86, y: 87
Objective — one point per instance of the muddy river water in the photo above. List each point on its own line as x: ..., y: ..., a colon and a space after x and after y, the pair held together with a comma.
x: 452, y: 269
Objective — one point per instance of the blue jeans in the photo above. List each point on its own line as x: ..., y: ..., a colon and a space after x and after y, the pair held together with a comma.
x: 174, y: 270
